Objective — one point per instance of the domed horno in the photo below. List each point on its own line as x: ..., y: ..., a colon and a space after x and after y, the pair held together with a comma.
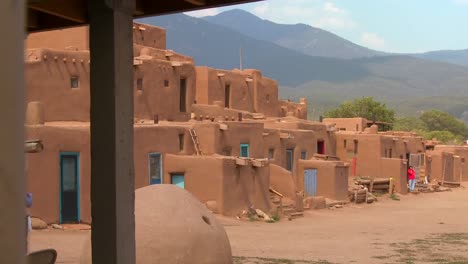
x: 172, y: 226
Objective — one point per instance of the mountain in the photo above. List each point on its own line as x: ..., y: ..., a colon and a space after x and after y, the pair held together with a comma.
x: 397, y: 80
x: 300, y: 37
x: 459, y: 57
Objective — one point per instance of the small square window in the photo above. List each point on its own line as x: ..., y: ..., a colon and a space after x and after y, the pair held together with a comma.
x: 139, y: 84
x: 74, y: 82
x: 166, y: 83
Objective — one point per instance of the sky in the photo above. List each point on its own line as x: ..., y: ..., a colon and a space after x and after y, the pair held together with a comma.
x: 402, y: 26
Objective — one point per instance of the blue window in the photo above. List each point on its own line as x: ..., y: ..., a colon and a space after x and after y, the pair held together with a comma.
x: 244, y: 150
x: 155, y: 168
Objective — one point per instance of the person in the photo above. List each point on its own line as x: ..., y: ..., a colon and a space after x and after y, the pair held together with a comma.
x: 28, y: 217
x: 411, y: 178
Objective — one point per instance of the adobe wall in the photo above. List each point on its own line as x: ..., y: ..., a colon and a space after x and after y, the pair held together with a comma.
x: 289, y: 108
x: 397, y: 169
x: 163, y: 139
x: 319, y: 129
x: 441, y: 164
x: 55, y: 70
x: 48, y: 80
x: 211, y: 84
x: 237, y: 133
x: 43, y: 169
x: 77, y: 38
x: 332, y: 178
x: 282, y: 181
x: 159, y: 92
x: 461, y: 151
x: 234, y: 188
x: 366, y: 162
x: 357, y: 124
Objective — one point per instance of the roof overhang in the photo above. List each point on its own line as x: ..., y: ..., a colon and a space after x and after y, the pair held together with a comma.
x: 55, y: 14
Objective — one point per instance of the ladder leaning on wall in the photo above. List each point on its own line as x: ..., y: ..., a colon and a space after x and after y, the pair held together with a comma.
x: 196, y: 142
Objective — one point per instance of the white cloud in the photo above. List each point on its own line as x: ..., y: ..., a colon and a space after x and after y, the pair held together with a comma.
x: 372, y: 40
x: 261, y: 9
x: 330, y: 7
x: 204, y: 12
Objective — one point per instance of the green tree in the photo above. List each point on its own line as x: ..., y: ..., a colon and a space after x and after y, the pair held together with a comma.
x: 436, y: 120
x: 410, y: 124
x: 365, y: 107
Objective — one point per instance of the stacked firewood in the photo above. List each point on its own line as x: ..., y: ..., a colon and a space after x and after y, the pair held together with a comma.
x: 375, y: 185
x: 361, y: 194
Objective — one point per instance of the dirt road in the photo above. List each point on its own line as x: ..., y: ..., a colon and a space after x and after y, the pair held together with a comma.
x: 424, y: 228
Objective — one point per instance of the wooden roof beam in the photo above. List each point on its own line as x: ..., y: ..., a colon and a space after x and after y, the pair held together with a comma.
x: 73, y: 10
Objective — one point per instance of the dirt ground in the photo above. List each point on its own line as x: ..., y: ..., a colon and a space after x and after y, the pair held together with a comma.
x: 424, y: 228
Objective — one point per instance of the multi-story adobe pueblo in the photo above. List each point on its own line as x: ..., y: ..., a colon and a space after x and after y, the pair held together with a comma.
x: 225, y: 136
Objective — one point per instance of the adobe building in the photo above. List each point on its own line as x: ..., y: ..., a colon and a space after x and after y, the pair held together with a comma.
x: 223, y: 135
x: 449, y: 163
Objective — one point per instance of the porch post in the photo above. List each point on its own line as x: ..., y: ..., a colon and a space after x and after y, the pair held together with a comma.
x: 112, y: 174
x: 12, y: 177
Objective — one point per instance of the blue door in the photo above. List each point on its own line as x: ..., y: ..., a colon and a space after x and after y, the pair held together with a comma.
x: 69, y: 187
x: 155, y: 168
x: 178, y: 180
x: 310, y: 182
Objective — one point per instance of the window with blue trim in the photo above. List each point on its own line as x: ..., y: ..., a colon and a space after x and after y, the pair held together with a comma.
x: 244, y: 150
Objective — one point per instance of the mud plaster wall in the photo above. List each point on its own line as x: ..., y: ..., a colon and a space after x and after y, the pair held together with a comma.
x: 241, y: 92
x: 282, y: 181
x: 43, y: 170
x: 332, y: 178
x: 48, y: 80
x: 461, y: 151
x: 347, y: 124
x: 265, y: 94
x: 78, y: 38
x: 159, y: 90
x: 234, y: 188
x: 157, y: 139
x: 49, y: 76
x: 396, y: 168
x: 367, y: 159
x: 441, y: 165
x: 242, y: 133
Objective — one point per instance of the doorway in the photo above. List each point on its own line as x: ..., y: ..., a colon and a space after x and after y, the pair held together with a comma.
x: 289, y: 159
x: 310, y: 182
x: 69, y: 187
x: 155, y: 168
x: 321, y: 147
x: 183, y: 96
x: 227, y: 96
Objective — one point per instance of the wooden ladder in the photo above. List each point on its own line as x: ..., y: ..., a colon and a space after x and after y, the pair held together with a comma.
x: 196, y: 142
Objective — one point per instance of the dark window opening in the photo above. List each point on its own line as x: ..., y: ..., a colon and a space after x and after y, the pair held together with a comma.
x: 181, y: 142
x: 227, y: 96
x: 271, y: 153
x: 320, y: 147
x: 390, y: 153
x: 183, y: 95
x: 355, y: 146
x: 74, y: 82
x: 166, y: 83
x: 345, y: 143
x: 139, y: 84
x: 289, y: 159
x: 304, y: 155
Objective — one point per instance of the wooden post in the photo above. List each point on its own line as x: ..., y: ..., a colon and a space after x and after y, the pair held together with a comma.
x: 12, y: 109
x: 112, y: 175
